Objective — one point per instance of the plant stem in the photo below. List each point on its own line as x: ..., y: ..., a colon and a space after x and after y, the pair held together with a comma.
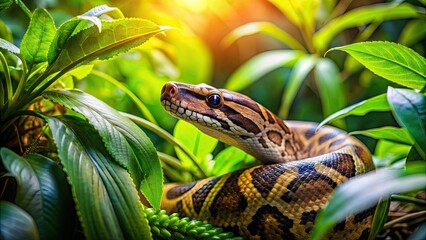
x: 404, y: 218
x: 145, y: 111
x: 9, y: 90
x: 21, y: 83
x: 24, y: 8
x: 168, y: 137
x: 402, y: 198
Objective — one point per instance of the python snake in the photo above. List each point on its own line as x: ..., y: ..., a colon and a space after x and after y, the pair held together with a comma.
x: 278, y: 200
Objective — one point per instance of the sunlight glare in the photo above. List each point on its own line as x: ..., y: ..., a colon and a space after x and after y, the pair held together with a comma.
x: 194, y: 5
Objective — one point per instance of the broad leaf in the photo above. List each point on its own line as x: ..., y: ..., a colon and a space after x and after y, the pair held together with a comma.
x: 199, y: 143
x: 38, y: 37
x: 353, y: 196
x: 260, y: 65
x: 393, y: 134
x: 105, y: 196
x: 298, y: 74
x: 6, y: 45
x: 125, y: 141
x: 42, y: 191
x: 391, y: 61
x: 387, y: 152
x: 265, y: 28
x: 16, y: 223
x: 409, y: 109
x: 329, y: 86
x: 117, y: 36
x: 377, y: 103
x: 72, y: 26
x: 361, y: 16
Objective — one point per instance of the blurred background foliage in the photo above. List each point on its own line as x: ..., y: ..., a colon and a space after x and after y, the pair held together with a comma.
x: 216, y: 41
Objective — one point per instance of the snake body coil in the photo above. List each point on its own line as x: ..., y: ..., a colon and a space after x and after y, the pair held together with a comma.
x: 279, y: 200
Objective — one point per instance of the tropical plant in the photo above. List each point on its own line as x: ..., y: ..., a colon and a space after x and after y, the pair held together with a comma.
x: 401, y: 152
x: 320, y: 24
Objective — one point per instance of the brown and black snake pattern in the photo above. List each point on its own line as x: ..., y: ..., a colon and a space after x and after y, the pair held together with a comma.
x: 279, y: 200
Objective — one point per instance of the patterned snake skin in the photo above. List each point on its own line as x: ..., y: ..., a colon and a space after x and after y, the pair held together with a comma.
x: 278, y: 200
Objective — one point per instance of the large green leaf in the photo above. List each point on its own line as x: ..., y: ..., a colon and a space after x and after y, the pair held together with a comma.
x: 329, y: 86
x: 36, y: 41
x: 200, y: 144
x: 16, y: 223
x: 353, y: 196
x: 299, y: 73
x: 393, y: 134
x: 117, y: 36
x: 265, y: 28
x: 391, y: 61
x: 409, y: 109
x: 260, y: 65
x: 125, y: 141
x: 106, y: 199
x: 377, y: 103
x: 42, y: 191
x: 361, y: 16
x: 71, y: 27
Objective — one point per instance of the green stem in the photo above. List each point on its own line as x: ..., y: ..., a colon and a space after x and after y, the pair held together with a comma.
x: 402, y: 198
x: 168, y: 137
x: 21, y: 83
x: 24, y: 8
x: 9, y: 89
x: 175, y: 163
x: 145, y: 111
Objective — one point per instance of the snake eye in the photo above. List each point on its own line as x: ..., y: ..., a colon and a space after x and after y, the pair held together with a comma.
x: 214, y: 100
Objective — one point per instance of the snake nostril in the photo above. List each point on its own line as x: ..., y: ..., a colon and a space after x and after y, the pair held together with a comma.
x: 169, y: 90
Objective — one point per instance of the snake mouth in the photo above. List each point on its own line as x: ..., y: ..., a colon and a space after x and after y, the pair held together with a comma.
x: 180, y: 110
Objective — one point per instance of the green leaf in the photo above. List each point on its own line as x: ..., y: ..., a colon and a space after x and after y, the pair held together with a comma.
x: 377, y: 103
x: 229, y: 160
x: 299, y: 73
x: 6, y: 45
x: 413, y: 32
x: 353, y: 196
x: 391, y: 61
x: 72, y: 26
x: 400, y: 135
x: 38, y: 37
x: 361, y: 16
x: 4, y: 4
x: 16, y: 223
x: 105, y: 196
x: 409, y: 109
x: 301, y: 13
x: 125, y: 141
x: 387, y: 152
x: 258, y: 66
x: 42, y: 191
x: 329, y: 86
x: 380, y: 217
x: 199, y: 143
x: 265, y: 28
x: 117, y: 36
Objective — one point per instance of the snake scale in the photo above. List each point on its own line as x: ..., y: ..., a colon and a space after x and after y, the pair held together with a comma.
x: 277, y: 200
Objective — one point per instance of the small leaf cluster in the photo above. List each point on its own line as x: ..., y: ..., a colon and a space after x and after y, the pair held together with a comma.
x: 165, y: 226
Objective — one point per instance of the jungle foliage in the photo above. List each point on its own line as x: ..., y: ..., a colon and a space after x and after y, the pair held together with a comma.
x: 83, y: 132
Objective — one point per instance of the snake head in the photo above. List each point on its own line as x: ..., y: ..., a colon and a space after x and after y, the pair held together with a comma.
x: 230, y: 117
